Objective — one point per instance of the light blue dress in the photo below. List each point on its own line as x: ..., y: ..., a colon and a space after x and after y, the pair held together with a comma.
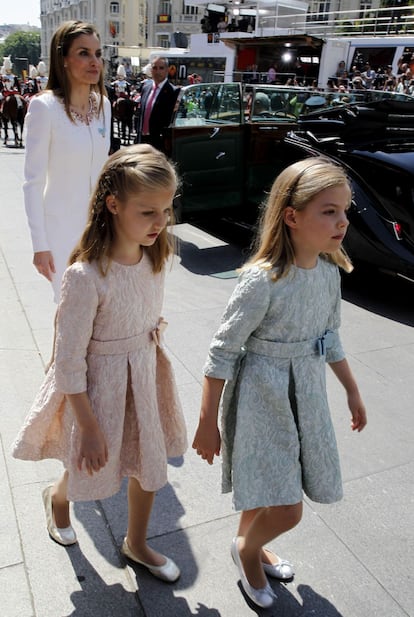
x: 271, y: 348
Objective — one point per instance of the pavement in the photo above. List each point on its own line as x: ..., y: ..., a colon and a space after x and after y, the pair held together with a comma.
x: 352, y: 559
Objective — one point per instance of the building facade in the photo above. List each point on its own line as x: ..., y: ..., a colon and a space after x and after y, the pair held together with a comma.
x: 168, y: 19
x: 258, y: 17
x: 119, y: 23
x: 138, y: 26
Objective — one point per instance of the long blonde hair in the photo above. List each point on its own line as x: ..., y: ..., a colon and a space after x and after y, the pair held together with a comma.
x: 295, y: 186
x: 127, y: 172
x: 60, y: 45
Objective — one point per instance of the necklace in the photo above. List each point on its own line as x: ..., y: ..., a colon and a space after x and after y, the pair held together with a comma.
x: 87, y: 117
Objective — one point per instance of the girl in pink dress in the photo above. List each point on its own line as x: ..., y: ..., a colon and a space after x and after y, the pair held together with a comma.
x: 108, y: 407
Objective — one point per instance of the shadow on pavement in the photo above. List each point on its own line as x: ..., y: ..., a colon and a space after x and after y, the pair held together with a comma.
x: 287, y: 605
x: 165, y: 535
x: 96, y: 597
x: 384, y: 295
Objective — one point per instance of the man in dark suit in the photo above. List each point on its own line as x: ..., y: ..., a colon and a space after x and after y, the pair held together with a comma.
x: 158, y: 98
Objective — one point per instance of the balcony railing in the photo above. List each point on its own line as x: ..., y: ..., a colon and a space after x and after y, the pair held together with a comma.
x: 188, y: 19
x: 367, y: 22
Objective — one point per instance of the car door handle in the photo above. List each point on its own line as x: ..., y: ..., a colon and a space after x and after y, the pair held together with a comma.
x: 220, y: 155
x: 214, y: 132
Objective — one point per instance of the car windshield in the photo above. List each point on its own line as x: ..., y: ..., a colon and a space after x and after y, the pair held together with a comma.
x: 278, y: 103
x: 231, y: 103
x: 209, y: 103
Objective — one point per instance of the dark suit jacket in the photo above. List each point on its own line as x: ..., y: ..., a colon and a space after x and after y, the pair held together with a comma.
x: 161, y: 113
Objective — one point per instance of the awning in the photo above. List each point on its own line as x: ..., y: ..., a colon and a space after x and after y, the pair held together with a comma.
x: 292, y: 40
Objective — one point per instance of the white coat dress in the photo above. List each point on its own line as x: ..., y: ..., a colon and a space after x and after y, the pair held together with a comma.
x: 62, y: 164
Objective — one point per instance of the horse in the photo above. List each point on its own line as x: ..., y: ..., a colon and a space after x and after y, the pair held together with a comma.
x: 123, y: 112
x: 13, y: 110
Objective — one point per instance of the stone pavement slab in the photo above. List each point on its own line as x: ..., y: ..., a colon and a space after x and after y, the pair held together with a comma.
x: 352, y: 559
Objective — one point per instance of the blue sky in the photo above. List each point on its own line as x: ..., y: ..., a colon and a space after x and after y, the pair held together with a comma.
x: 20, y: 12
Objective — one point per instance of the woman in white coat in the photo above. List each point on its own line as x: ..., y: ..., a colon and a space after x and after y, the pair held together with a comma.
x: 67, y: 142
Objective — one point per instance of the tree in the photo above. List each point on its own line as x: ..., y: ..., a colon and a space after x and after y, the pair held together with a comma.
x: 22, y: 45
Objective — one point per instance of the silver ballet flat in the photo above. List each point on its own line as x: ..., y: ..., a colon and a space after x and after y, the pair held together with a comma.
x: 168, y: 572
x: 263, y: 597
x: 283, y: 570
x: 65, y: 536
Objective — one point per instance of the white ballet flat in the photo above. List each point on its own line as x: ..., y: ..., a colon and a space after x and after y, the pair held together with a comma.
x: 282, y: 570
x: 263, y: 597
x: 65, y: 536
x: 168, y: 572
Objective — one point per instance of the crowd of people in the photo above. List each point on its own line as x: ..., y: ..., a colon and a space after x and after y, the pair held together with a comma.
x: 368, y: 78
x: 359, y: 77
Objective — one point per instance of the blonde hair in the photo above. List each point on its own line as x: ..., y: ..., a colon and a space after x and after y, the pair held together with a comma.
x: 295, y: 186
x: 127, y: 172
x: 60, y: 45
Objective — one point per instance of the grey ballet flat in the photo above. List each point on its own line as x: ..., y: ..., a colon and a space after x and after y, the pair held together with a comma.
x: 168, y: 572
x: 282, y: 570
x: 65, y: 536
x: 263, y: 597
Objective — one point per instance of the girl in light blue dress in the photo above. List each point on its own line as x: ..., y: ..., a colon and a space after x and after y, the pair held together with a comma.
x: 279, y: 329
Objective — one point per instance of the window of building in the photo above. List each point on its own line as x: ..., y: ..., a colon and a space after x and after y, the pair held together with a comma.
x: 114, y: 7
x: 324, y: 7
x: 165, y: 8
x: 375, y: 56
x: 114, y: 28
x: 190, y: 10
x: 163, y: 40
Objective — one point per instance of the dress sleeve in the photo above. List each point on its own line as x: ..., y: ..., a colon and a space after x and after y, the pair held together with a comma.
x: 246, y: 309
x: 75, y: 318
x: 335, y: 353
x: 38, y: 127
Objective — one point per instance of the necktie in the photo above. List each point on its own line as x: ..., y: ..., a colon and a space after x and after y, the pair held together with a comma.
x: 147, y: 111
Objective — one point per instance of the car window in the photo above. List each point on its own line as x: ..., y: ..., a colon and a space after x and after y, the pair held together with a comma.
x: 228, y: 108
x: 205, y: 104
x: 194, y: 104
x: 279, y: 103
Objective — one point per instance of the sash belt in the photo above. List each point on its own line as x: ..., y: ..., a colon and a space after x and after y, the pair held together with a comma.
x: 127, y: 345
x: 273, y: 349
x: 120, y: 346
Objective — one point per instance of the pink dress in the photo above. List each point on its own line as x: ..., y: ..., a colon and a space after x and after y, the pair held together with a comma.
x: 107, y: 345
